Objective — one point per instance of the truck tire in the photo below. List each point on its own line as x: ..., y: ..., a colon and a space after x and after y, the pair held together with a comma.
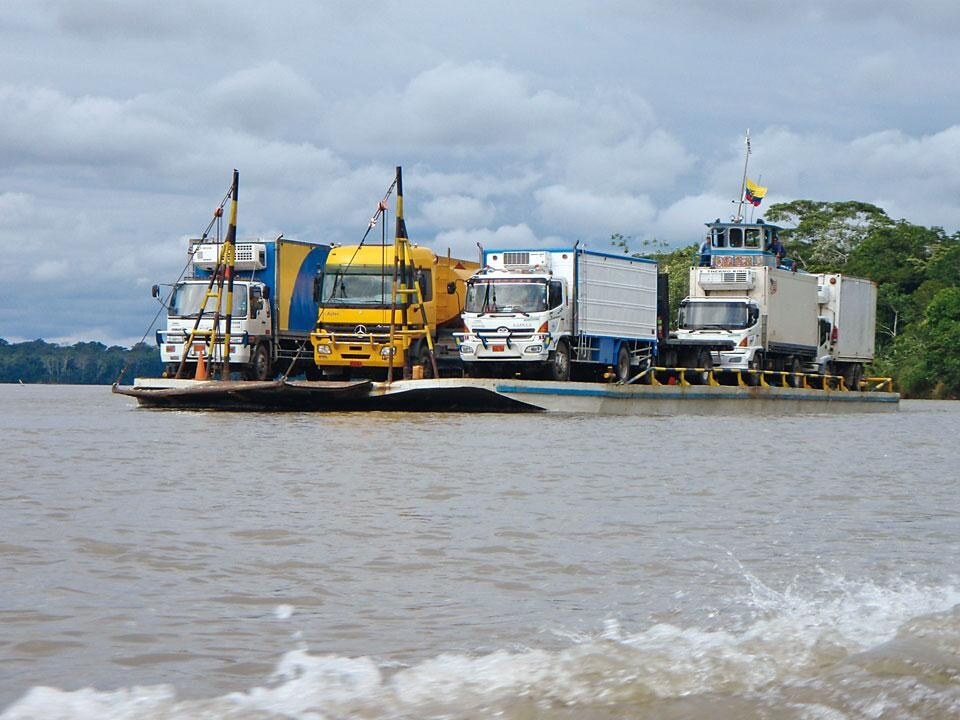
x: 260, y: 366
x: 754, y: 371
x: 423, y: 358
x: 703, y: 368
x: 623, y: 364
x: 796, y: 377
x: 852, y: 376
x: 559, y: 367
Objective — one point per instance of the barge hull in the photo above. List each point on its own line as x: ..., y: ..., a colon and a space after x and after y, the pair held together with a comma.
x: 493, y: 395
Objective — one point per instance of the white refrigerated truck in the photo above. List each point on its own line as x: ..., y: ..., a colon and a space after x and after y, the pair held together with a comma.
x: 763, y: 317
x: 543, y: 312
x: 848, y: 317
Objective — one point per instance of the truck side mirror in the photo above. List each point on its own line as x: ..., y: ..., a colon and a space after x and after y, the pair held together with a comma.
x: 451, y: 288
x: 266, y: 292
x: 155, y: 291
x: 317, y: 282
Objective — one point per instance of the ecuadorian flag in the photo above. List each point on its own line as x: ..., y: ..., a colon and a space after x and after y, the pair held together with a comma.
x: 754, y: 193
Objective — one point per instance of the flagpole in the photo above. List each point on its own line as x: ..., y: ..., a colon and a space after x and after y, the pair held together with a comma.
x: 743, y: 181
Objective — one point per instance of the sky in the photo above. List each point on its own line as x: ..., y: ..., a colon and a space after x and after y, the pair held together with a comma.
x: 517, y: 124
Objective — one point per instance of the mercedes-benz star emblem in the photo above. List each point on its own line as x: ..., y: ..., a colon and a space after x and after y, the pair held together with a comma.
x: 360, y: 330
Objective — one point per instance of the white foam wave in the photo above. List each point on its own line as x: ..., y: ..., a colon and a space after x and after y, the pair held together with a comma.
x: 791, y: 640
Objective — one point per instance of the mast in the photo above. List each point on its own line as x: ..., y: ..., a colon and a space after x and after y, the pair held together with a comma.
x: 229, y: 255
x: 743, y: 181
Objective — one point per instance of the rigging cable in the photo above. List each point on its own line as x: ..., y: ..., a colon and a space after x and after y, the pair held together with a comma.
x: 164, y: 304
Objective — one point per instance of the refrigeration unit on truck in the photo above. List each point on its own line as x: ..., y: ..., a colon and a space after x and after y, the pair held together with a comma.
x: 848, y: 315
x: 272, y: 314
x: 541, y: 312
x: 762, y: 317
x: 361, y: 319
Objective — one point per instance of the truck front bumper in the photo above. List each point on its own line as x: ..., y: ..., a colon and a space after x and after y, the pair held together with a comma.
x: 369, y: 351
x: 172, y: 346
x: 734, y: 360
x: 500, y: 348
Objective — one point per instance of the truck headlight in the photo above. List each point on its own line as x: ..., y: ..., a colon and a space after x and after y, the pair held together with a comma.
x: 388, y: 351
x: 534, y: 349
x: 466, y: 349
x: 324, y: 350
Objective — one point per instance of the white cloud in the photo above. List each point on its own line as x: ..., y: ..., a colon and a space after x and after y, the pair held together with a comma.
x: 584, y: 214
x: 50, y: 270
x: 630, y: 165
x: 468, y: 109
x: 463, y: 243
x: 40, y: 125
x: 450, y: 211
x: 267, y: 99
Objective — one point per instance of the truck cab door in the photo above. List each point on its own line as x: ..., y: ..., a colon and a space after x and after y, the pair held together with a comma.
x: 559, y: 306
x: 259, y: 310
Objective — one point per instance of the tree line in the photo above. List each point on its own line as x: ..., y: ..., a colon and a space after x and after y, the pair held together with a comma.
x: 916, y: 270
x: 84, y: 363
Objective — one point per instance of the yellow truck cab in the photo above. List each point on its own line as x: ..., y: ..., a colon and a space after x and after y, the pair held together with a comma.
x: 370, y: 318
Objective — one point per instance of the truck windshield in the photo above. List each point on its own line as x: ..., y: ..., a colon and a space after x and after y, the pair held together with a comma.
x: 714, y: 315
x: 355, y: 285
x: 366, y: 285
x: 523, y: 296
x: 188, y: 298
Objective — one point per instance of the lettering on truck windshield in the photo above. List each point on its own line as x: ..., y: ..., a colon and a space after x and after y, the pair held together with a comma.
x: 488, y: 296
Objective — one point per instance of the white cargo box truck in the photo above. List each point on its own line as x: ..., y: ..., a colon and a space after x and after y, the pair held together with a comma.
x: 848, y: 316
x: 539, y: 311
x: 767, y: 316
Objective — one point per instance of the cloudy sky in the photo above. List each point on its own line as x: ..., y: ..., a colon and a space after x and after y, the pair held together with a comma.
x: 516, y: 123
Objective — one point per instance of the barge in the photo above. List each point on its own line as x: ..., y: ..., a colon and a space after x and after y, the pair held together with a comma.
x: 472, y: 395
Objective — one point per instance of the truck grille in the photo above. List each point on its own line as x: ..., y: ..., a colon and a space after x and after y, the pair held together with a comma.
x: 345, y: 329
x: 516, y: 333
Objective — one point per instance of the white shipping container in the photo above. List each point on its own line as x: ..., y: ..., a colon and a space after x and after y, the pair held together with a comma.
x: 616, y: 296
x: 850, y: 304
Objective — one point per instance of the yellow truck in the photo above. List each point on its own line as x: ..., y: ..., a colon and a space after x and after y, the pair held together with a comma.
x: 371, y: 319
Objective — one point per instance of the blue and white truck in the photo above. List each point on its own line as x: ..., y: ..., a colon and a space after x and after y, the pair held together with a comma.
x: 545, y: 312
x: 274, y: 310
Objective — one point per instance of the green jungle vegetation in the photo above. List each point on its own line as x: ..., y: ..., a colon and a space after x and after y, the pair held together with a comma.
x: 916, y: 269
x: 84, y: 363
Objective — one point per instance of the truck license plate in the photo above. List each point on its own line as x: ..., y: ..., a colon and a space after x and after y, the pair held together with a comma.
x: 497, y: 348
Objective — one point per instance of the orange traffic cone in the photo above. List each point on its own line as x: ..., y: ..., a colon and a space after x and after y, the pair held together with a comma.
x: 201, y: 366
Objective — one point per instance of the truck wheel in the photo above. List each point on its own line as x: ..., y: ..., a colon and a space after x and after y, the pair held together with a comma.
x: 703, y: 368
x: 754, y: 371
x: 852, y: 376
x: 623, y: 364
x: 796, y: 377
x: 559, y: 368
x: 423, y: 358
x: 260, y: 363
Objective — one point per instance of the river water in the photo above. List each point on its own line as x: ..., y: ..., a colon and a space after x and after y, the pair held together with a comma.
x: 164, y: 564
